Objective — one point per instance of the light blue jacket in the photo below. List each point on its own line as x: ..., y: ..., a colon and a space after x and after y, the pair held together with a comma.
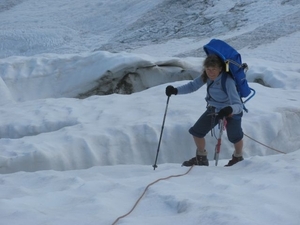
x: 216, y: 96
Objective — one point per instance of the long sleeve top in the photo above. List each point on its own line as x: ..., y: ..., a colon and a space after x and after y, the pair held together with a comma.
x: 215, y: 95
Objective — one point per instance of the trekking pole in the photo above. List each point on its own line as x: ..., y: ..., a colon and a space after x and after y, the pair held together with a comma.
x: 162, y: 129
x: 222, y: 127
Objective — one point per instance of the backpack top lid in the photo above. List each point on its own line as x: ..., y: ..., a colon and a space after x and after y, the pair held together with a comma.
x: 223, y: 50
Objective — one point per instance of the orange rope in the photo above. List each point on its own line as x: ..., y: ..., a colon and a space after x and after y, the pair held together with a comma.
x: 179, y: 175
x: 136, y: 203
x: 264, y: 144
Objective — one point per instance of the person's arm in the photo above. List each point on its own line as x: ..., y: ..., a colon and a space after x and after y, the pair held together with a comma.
x: 190, y: 87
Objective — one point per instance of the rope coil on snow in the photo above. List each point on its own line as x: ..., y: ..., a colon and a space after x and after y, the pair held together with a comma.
x: 154, y: 182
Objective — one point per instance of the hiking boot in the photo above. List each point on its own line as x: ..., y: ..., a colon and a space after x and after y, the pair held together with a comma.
x: 234, y: 160
x: 199, y: 160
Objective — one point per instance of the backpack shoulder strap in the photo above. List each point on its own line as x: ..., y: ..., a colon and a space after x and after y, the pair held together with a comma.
x: 223, y: 82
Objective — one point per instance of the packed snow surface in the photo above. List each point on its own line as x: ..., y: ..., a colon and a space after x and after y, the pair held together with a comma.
x: 82, y: 104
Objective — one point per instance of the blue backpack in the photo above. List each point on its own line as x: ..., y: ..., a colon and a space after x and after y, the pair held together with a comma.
x: 234, y: 67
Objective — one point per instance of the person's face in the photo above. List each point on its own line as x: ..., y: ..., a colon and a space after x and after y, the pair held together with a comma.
x: 213, y: 72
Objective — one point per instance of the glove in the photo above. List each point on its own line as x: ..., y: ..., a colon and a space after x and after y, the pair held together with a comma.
x: 226, y: 111
x: 170, y: 90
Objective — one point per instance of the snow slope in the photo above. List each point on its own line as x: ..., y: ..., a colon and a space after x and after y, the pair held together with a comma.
x: 82, y: 103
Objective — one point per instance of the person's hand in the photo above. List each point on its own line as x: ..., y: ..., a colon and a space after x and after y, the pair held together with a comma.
x: 170, y: 90
x: 226, y: 111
